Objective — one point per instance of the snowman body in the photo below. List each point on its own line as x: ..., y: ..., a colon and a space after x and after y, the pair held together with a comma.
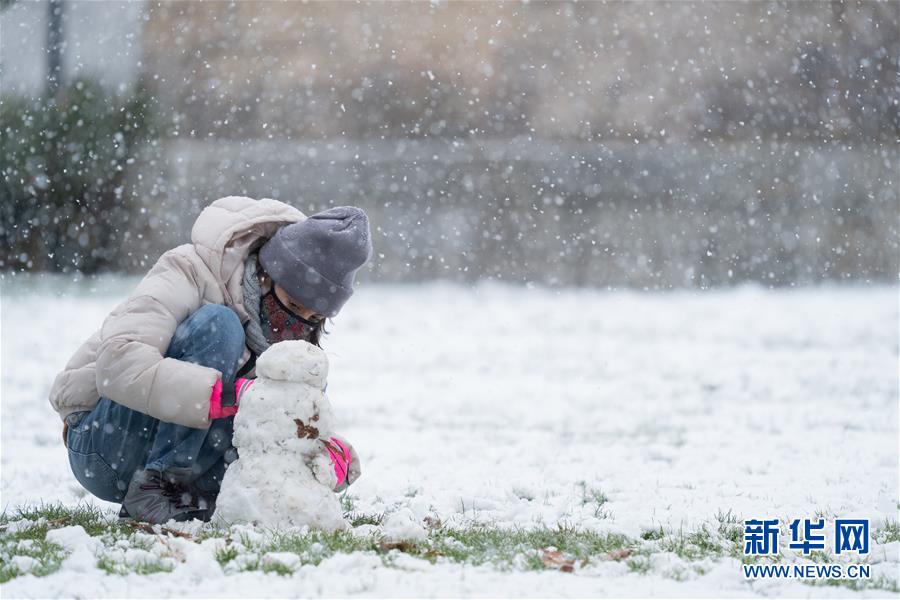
x: 283, y: 477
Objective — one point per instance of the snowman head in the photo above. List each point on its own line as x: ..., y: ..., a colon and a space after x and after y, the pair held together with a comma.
x: 295, y: 361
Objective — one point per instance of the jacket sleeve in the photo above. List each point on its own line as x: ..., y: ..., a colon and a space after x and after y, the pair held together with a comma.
x: 131, y: 368
x: 75, y: 387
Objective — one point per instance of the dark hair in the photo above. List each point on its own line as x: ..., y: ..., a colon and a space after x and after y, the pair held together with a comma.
x: 316, y: 336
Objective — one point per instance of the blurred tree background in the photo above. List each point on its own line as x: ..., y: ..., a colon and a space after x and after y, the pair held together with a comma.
x: 65, y: 203
x: 652, y: 145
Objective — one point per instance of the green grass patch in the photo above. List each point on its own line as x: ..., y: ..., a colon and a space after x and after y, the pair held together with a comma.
x: 348, y: 504
x: 115, y: 566
x: 696, y: 545
x: 314, y: 547
x: 479, y: 545
x: 888, y: 532
x: 226, y: 554
x: 48, y: 557
x: 882, y: 582
x: 562, y: 547
x: 721, y: 537
x: 29, y: 538
x: 53, y: 516
x: 276, y: 567
x: 657, y: 533
x: 639, y: 564
x: 730, y: 528
x: 357, y: 519
x: 595, y: 498
x: 474, y: 545
x: 536, y: 548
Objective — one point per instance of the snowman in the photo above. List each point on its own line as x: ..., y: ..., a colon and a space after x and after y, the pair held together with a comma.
x: 284, y: 476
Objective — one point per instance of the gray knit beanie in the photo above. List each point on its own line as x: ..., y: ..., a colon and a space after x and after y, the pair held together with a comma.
x: 315, y: 260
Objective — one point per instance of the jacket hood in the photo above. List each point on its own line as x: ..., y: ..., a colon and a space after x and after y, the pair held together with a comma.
x: 229, y: 229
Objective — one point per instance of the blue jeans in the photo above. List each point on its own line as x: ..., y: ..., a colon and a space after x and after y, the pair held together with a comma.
x: 109, y: 443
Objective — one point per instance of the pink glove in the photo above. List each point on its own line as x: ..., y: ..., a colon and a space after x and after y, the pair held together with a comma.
x: 345, y: 461
x: 224, y: 403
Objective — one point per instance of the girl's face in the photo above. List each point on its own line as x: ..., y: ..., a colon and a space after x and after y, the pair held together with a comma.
x: 296, y: 307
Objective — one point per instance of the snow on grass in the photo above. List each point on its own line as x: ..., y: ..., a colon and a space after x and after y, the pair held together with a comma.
x: 537, y: 442
x: 41, y: 541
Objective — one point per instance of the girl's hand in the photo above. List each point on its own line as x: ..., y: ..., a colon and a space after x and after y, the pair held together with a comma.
x: 345, y: 461
x: 224, y: 400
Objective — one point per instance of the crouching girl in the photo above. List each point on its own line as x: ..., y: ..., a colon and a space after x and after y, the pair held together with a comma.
x: 148, y: 401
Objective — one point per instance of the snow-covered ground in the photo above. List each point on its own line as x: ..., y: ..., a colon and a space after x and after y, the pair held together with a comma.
x: 513, y: 406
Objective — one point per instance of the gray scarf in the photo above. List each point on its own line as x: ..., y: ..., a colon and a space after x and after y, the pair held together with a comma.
x: 256, y: 339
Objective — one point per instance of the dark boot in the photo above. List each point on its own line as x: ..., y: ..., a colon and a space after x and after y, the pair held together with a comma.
x: 204, y: 501
x: 208, y: 503
x: 154, y: 498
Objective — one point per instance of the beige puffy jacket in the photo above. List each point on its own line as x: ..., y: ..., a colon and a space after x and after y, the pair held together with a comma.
x: 124, y: 359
